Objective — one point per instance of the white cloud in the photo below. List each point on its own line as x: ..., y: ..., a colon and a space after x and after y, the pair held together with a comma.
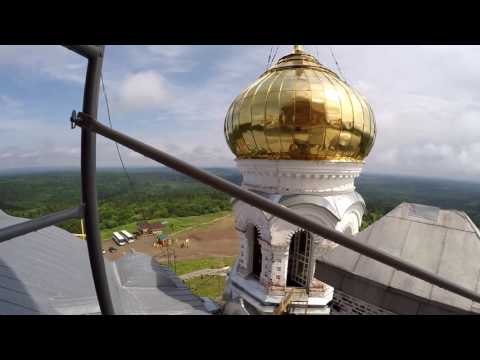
x: 8, y: 102
x: 6, y: 155
x: 171, y: 51
x: 143, y: 90
x: 53, y: 61
x: 469, y: 158
x: 169, y: 58
x: 389, y: 157
x: 425, y: 99
x: 30, y: 154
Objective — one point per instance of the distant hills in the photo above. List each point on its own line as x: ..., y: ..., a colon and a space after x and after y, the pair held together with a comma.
x: 21, y: 191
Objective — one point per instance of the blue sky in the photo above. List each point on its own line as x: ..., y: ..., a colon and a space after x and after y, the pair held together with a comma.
x: 425, y: 99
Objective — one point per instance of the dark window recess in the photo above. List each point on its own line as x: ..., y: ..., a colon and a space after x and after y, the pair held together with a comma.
x: 257, y: 255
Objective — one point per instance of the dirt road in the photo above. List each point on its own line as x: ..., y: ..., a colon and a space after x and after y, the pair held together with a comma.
x: 217, y: 239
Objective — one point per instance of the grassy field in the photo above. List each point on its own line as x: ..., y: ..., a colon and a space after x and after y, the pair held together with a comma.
x: 209, y: 286
x: 187, y: 266
x: 174, y: 225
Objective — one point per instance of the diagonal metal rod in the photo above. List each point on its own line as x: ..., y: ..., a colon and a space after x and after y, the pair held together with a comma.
x: 28, y: 226
x: 88, y: 51
x: 86, y: 122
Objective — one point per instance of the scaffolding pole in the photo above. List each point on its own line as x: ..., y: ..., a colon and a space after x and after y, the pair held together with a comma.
x: 85, y: 121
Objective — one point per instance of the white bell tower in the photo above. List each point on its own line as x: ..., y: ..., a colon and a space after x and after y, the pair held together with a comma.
x: 300, y: 135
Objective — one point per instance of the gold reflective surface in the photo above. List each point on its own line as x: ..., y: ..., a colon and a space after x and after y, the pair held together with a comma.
x: 300, y: 110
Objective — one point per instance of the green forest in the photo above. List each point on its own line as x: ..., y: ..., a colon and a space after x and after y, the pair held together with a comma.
x: 152, y: 194
x: 382, y: 193
x: 156, y: 193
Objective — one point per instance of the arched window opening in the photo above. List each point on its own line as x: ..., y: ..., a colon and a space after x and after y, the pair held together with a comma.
x: 257, y: 255
x: 299, y: 259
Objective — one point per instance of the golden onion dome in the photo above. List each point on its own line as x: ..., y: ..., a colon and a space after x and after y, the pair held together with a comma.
x: 300, y: 110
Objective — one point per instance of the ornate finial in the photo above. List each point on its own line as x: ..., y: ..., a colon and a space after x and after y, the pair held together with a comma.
x: 297, y: 49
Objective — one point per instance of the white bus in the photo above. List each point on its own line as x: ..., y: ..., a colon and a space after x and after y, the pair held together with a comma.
x: 130, y: 238
x: 119, y: 239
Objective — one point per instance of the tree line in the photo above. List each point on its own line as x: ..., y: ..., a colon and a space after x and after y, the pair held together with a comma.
x: 157, y: 193
x: 154, y: 194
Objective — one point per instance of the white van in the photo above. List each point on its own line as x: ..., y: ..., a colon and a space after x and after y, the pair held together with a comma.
x: 119, y: 239
x: 130, y: 238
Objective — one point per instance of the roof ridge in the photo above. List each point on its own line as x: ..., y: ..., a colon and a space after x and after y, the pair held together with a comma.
x: 426, y: 222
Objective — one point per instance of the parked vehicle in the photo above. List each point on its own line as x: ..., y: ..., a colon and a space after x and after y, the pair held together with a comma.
x: 119, y: 239
x: 130, y: 238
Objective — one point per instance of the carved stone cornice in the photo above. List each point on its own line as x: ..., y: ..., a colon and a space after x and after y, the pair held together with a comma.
x: 299, y: 177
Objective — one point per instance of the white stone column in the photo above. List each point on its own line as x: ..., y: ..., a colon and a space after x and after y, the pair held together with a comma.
x: 321, y: 247
x: 265, y: 275
x: 279, y: 266
x: 244, y: 261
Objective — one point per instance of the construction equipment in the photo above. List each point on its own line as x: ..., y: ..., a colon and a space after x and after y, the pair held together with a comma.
x: 294, y: 296
x: 283, y: 306
x: 82, y: 235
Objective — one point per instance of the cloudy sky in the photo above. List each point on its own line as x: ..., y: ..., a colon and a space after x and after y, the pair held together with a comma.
x: 426, y: 101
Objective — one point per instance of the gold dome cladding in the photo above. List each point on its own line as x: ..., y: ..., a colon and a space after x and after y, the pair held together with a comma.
x: 300, y: 110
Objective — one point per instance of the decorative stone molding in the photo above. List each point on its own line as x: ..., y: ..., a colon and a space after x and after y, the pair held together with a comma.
x: 351, y: 220
x: 319, y: 187
x: 299, y: 177
x: 282, y: 231
x: 246, y: 214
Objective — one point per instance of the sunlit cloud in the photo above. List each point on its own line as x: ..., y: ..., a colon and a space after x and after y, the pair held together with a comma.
x: 144, y: 90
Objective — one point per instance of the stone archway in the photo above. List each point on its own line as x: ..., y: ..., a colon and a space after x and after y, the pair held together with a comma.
x: 252, y: 228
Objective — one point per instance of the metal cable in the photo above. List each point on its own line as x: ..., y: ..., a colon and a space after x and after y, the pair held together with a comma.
x: 338, y: 65
x: 274, y: 55
x: 110, y: 122
x: 269, y: 57
x: 130, y: 182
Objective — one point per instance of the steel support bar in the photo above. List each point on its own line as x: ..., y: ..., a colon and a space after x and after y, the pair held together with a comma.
x: 26, y: 227
x: 89, y: 186
x: 88, y: 51
x: 279, y: 211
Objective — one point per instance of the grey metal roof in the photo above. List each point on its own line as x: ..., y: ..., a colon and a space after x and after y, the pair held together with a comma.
x: 445, y: 242
x: 139, y: 285
x: 45, y: 272
x: 48, y: 272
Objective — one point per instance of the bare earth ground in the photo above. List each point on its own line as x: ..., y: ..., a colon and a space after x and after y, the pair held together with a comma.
x: 217, y: 239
